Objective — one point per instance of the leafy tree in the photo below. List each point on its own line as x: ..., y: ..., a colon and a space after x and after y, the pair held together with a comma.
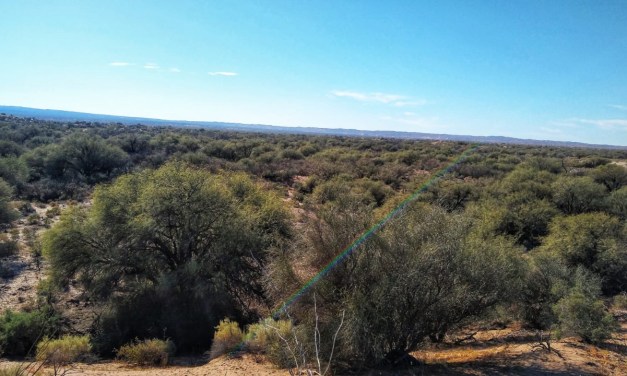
x: 177, y: 247
x: 592, y: 240
x: 546, y: 282
x: 87, y: 156
x: 524, y: 219
x: 612, y: 176
x: 617, y: 203
x: 10, y: 149
x: 20, y: 331
x: 7, y: 214
x: 426, y: 274
x: 574, y: 195
x: 14, y: 171
x: 556, y: 297
x: 582, y: 313
x: 527, y: 181
x: 453, y: 195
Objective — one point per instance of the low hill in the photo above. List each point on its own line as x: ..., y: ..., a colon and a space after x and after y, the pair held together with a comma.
x: 59, y: 115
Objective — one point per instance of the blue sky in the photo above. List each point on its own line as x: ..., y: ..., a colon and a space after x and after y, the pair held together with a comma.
x: 531, y: 69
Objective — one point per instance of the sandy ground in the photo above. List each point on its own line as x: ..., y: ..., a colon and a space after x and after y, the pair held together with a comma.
x: 509, y: 351
x: 244, y: 366
x: 621, y: 163
x: 512, y: 351
x: 20, y: 289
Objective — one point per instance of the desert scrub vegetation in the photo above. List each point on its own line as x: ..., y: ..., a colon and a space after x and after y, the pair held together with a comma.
x: 14, y: 370
x: 64, y: 350
x: 179, y: 246
x: 188, y: 226
x: 149, y: 352
x: 269, y: 338
x: 8, y: 246
x: 20, y: 331
x: 620, y: 301
x: 228, y: 338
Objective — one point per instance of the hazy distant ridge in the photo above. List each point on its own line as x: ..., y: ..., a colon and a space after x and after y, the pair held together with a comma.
x: 59, y: 115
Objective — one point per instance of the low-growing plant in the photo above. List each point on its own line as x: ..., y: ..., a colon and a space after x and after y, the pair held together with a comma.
x: 24, y: 207
x: 8, y: 247
x: 620, y: 301
x: 14, y: 234
x: 64, y: 350
x: 227, y: 338
x: 15, y: 370
x: 54, y: 211
x: 268, y: 337
x: 19, y: 331
x: 33, y: 219
x: 585, y: 317
x: 147, y: 352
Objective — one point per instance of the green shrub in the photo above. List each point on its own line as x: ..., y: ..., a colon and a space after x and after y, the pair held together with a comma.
x: 265, y: 338
x: 15, y: 370
x: 65, y: 350
x: 25, y: 208
x: 19, y: 331
x: 33, y: 219
x: 227, y: 338
x: 8, y: 247
x: 583, y: 316
x: 147, y: 352
x: 620, y: 301
x: 54, y: 211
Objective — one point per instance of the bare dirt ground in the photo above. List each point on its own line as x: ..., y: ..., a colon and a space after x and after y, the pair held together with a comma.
x: 181, y: 367
x: 621, y: 163
x: 513, y: 351
x: 20, y: 288
x: 508, y: 351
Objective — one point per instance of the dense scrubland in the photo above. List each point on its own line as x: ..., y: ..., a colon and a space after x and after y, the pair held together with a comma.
x: 190, y: 240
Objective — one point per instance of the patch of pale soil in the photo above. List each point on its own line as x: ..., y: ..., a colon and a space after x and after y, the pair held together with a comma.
x: 20, y: 289
x: 621, y: 163
x: 243, y: 366
x: 516, y: 351
x: 509, y: 351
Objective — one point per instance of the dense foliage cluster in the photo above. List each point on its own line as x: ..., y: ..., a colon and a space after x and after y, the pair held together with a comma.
x: 188, y: 226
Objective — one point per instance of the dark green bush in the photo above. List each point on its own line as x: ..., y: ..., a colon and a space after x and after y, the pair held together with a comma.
x: 584, y: 316
x: 20, y: 331
x: 8, y: 247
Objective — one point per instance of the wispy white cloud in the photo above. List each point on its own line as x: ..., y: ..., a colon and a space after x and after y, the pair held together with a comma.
x: 151, y: 66
x: 120, y: 64
x: 618, y: 106
x: 383, y: 98
x: 411, y: 103
x: 226, y: 74
x: 175, y: 70
x: 600, y: 123
x: 369, y: 97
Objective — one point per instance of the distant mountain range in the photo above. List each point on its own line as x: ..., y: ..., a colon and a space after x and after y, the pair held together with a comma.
x: 59, y: 115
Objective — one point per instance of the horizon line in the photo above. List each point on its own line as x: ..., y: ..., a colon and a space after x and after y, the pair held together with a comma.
x: 509, y: 139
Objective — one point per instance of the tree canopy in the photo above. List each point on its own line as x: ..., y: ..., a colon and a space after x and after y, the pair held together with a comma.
x: 176, y: 234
